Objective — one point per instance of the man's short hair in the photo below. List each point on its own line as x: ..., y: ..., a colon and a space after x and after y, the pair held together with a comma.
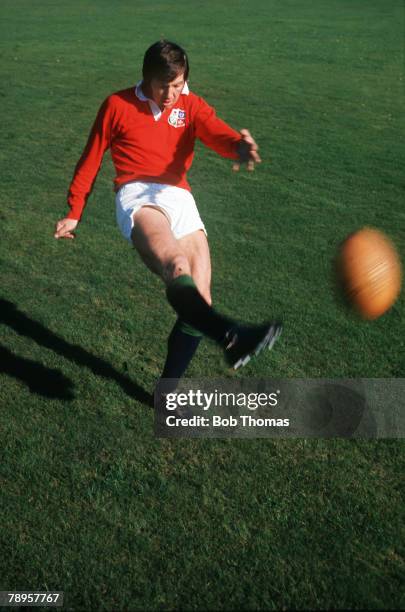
x: 164, y: 60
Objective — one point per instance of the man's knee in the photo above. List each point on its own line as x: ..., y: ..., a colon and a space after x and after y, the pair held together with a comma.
x: 179, y: 265
x: 176, y: 266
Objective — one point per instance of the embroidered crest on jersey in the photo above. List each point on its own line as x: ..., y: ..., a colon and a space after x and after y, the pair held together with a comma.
x: 177, y: 118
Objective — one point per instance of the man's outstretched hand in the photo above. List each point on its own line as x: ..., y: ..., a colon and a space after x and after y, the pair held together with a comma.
x: 247, y: 150
x: 65, y: 227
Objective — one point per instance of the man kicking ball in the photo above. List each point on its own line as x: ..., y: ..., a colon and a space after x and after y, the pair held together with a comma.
x: 151, y: 130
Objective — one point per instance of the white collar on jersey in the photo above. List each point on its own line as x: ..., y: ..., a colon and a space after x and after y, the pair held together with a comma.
x: 157, y: 113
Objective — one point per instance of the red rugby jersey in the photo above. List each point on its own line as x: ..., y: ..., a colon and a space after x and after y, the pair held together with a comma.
x: 145, y: 149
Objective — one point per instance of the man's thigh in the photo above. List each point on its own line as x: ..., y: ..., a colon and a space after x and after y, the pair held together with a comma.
x: 196, y: 249
x: 162, y: 252
x: 154, y: 240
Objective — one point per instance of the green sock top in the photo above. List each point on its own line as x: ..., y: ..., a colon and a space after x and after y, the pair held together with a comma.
x: 185, y: 280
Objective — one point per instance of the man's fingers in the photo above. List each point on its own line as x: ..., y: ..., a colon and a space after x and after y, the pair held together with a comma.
x: 66, y: 235
x: 247, y: 137
x: 250, y: 165
x: 65, y: 228
x: 248, y: 152
x: 60, y: 230
x: 63, y: 232
x: 249, y: 140
x: 244, y: 132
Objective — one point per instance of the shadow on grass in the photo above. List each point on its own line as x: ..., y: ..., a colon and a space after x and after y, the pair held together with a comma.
x: 44, y: 381
x: 37, y: 376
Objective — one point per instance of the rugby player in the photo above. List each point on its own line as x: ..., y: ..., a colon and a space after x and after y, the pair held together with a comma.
x: 151, y: 129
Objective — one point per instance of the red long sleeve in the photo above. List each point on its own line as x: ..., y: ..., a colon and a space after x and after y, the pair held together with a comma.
x: 214, y: 132
x: 147, y: 150
x: 89, y: 163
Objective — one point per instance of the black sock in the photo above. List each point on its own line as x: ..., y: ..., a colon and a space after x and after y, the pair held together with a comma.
x: 181, y: 347
x: 191, y: 307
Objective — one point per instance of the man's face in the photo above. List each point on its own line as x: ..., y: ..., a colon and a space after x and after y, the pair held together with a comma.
x: 164, y: 93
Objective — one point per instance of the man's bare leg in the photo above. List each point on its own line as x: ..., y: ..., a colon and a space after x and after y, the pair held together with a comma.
x: 163, y: 254
x: 173, y: 261
x: 195, y: 247
x: 184, y: 340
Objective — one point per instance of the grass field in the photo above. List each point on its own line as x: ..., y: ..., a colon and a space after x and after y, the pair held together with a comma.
x: 92, y: 503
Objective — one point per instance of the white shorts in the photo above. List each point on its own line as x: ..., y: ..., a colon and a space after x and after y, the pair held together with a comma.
x: 177, y: 204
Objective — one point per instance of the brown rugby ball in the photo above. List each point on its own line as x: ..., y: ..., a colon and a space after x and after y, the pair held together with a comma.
x: 369, y: 270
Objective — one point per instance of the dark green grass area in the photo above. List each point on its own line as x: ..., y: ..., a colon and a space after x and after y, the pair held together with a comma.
x: 92, y: 503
